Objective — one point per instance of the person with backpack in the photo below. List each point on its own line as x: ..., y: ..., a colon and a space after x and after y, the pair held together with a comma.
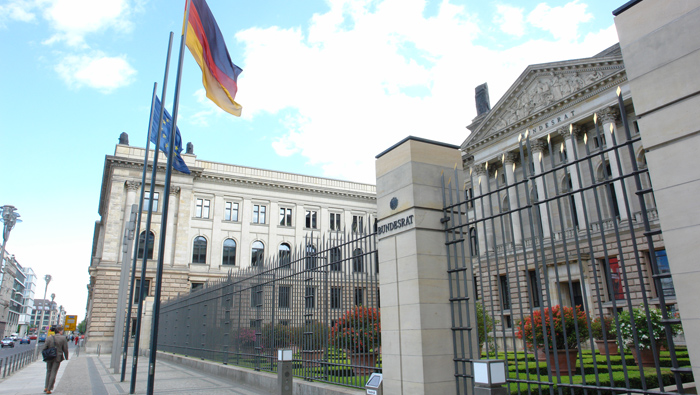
x: 53, y: 359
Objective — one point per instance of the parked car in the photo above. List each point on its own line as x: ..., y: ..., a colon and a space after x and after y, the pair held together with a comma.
x: 15, y: 336
x: 25, y: 340
x: 42, y: 338
x: 32, y: 337
x: 8, y: 342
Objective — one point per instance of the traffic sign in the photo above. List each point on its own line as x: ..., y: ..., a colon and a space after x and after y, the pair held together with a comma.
x: 71, y: 322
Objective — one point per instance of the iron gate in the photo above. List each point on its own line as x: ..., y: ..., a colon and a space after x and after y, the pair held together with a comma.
x: 578, y: 256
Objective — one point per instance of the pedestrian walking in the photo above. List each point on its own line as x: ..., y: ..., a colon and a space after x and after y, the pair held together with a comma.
x: 76, y: 339
x: 61, y: 344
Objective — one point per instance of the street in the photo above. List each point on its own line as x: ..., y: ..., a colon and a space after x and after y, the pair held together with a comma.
x: 18, y: 348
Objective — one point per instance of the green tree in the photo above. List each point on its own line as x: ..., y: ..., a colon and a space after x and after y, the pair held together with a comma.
x: 82, y: 326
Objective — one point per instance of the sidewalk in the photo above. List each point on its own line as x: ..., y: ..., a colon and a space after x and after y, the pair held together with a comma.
x: 90, y: 374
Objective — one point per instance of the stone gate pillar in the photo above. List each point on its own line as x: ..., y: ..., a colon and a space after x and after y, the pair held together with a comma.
x: 417, y: 350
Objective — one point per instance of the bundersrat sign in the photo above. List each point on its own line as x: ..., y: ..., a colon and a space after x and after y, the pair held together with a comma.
x: 396, y: 224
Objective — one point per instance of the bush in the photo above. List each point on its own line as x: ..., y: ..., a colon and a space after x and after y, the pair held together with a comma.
x: 279, y: 336
x: 644, y: 338
x: 604, y: 326
x: 358, y: 330
x: 533, y: 328
x: 485, y: 324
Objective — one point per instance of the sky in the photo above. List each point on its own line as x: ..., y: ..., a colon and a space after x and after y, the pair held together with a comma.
x: 325, y: 87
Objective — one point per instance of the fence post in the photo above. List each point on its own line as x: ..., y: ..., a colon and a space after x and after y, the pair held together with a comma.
x: 417, y: 348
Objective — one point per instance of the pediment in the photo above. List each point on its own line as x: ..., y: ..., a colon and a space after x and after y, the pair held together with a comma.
x: 543, y: 89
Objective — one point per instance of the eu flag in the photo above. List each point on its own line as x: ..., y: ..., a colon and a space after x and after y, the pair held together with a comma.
x: 178, y: 162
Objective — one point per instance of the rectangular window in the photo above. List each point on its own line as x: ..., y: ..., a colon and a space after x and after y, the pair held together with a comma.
x: 231, y: 212
x: 534, y: 289
x: 666, y: 282
x: 614, y: 277
x: 469, y: 195
x: 357, y: 223
x: 476, y: 287
x: 196, y: 286
x: 359, y: 296
x: 258, y: 214
x: 311, y: 217
x: 256, y: 296
x: 310, y: 298
x: 505, y: 292
x: 146, y: 196
x: 137, y: 289
x: 335, y: 258
x: 285, y: 217
x: 285, y: 296
x: 335, y: 221
x: 201, y: 209
x: 336, y: 294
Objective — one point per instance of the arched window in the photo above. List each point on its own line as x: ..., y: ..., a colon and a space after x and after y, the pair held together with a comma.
x: 148, y: 247
x: 611, y: 191
x: 199, y: 250
x: 284, y: 254
x: 473, y: 242
x: 257, y: 254
x: 310, y: 257
x: 357, y: 260
x: 336, y: 256
x: 568, y: 187
x: 609, y: 197
x: 229, y: 256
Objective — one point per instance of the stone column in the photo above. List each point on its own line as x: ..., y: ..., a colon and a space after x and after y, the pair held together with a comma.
x: 173, y: 206
x: 417, y: 348
x: 482, y: 176
x: 608, y: 116
x: 570, y: 144
x: 538, y: 147
x: 131, y: 188
x: 509, y: 160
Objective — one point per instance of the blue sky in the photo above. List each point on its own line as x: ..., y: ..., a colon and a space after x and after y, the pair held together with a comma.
x: 326, y: 85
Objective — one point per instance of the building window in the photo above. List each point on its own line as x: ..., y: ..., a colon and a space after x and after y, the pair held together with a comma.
x: 534, y: 289
x: 357, y: 223
x: 335, y: 259
x: 146, y: 199
x: 201, y: 209
x: 505, y: 292
x: 229, y: 257
x: 599, y: 141
x: 285, y: 296
x: 613, y: 274
x: 310, y: 257
x: 357, y: 260
x: 147, y: 246
x: 196, y: 286
x: 284, y: 254
x: 231, y: 212
x: 473, y: 242
x: 199, y: 250
x: 336, y: 297
x: 310, y: 298
x: 476, y: 287
x: 258, y: 214
x: 285, y: 217
x: 666, y: 282
x: 359, y: 296
x: 256, y: 296
x: 311, y: 217
x: 257, y: 253
x: 137, y: 289
x: 335, y: 221
x: 469, y: 196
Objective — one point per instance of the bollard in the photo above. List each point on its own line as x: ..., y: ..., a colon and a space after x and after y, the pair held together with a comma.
x: 489, y: 377
x: 284, y: 372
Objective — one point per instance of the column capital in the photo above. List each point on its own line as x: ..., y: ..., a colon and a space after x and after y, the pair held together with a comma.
x: 565, y: 132
x: 133, y: 185
x: 480, y: 169
x: 510, y: 157
x: 538, y: 145
x: 174, y: 190
x: 608, y: 114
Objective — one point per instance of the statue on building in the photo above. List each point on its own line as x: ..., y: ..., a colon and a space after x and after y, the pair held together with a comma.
x: 190, y: 148
x: 124, y: 138
x: 482, y: 99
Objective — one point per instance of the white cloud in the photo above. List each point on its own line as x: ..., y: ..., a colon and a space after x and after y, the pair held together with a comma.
x: 96, y: 71
x: 18, y: 10
x: 510, y: 20
x: 562, y: 22
x: 74, y: 19
x: 362, y: 78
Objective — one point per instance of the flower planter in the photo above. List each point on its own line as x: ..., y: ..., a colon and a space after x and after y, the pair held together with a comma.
x: 561, y: 357
x: 612, y: 347
x: 363, y: 363
x: 647, y: 357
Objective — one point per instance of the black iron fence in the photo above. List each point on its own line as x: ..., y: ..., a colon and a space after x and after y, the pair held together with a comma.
x: 15, y: 362
x: 321, y: 301
x: 556, y: 249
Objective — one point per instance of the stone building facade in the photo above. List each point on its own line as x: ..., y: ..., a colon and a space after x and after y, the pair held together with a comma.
x: 222, y: 218
x: 586, y: 224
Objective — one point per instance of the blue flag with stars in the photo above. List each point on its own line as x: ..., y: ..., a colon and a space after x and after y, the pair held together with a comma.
x: 178, y: 162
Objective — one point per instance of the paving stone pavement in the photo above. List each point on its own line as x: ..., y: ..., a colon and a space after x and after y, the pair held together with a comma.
x: 90, y: 374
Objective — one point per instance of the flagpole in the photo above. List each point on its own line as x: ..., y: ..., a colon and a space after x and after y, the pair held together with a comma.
x: 142, y: 289
x: 138, y: 232
x: 166, y: 198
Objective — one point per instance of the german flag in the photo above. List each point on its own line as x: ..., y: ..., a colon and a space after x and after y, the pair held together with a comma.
x: 219, y: 74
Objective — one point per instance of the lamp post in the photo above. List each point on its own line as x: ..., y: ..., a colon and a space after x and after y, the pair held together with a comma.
x: 47, y: 278
x: 53, y: 296
x: 9, y: 217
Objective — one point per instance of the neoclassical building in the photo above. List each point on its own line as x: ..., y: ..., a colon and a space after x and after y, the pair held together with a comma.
x: 222, y: 217
x: 568, y: 229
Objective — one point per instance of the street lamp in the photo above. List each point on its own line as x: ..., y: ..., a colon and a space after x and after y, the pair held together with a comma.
x: 47, y: 278
x: 53, y: 296
x: 9, y: 217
